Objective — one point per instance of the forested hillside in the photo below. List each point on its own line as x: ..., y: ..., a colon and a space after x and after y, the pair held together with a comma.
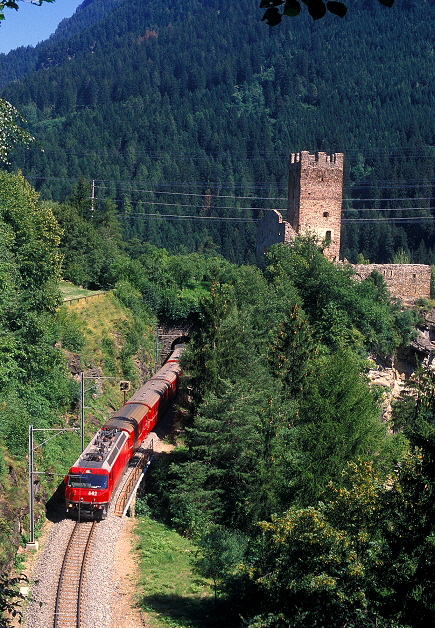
x: 192, y: 108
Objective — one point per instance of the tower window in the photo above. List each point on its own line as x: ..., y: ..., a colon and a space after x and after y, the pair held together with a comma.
x: 326, y: 214
x: 328, y: 238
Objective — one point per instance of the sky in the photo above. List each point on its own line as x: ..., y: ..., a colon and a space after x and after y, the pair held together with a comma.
x: 32, y: 24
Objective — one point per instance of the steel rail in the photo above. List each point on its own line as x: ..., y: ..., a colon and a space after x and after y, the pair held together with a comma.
x: 82, y: 574
x: 72, y: 574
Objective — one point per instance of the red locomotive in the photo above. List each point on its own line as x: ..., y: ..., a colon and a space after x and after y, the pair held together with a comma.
x: 93, y: 478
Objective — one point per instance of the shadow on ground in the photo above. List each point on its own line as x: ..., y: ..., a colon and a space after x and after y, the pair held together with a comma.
x: 164, y: 426
x: 55, y: 506
x: 188, y: 611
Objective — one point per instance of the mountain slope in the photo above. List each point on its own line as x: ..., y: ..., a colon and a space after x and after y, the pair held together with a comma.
x: 203, y: 98
x: 23, y: 60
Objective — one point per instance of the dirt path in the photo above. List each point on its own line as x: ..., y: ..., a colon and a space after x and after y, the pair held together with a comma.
x: 125, y: 613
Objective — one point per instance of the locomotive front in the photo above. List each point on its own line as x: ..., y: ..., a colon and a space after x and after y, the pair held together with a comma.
x: 87, y: 493
x: 92, y: 479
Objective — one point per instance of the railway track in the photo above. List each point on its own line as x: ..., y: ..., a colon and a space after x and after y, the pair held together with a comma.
x: 69, y: 591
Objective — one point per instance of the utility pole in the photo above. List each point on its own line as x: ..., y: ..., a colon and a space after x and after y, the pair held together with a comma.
x: 82, y: 410
x: 157, y: 349
x: 93, y: 196
x: 32, y: 544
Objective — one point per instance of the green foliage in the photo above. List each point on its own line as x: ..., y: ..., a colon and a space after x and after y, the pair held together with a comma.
x: 342, y: 311
x: 70, y: 331
x: 327, y: 583
x: 173, y: 286
x: 276, y: 416
x: 109, y: 350
x: 14, y: 422
x: 292, y: 353
x: 10, y: 597
x: 338, y: 421
x: 11, y: 4
x: 221, y: 551
x: 238, y: 441
x: 361, y: 259
x: 317, y: 9
x: 132, y: 331
x: 33, y: 375
x: 131, y: 114
x: 401, y: 257
x: 10, y: 131
x: 128, y: 295
x: 280, y: 421
x: 89, y: 246
x: 316, y: 563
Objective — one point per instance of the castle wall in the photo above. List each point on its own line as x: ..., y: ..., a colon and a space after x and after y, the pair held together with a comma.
x: 404, y: 281
x: 272, y: 230
x: 315, y: 197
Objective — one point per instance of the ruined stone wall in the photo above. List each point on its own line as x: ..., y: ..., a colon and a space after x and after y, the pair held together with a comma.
x: 272, y: 230
x: 315, y: 192
x: 404, y: 281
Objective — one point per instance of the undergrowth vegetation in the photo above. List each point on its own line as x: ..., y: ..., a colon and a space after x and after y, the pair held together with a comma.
x: 169, y: 590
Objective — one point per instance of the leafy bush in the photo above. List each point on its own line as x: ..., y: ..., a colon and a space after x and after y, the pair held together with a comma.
x: 128, y: 295
x: 109, y: 352
x: 70, y: 332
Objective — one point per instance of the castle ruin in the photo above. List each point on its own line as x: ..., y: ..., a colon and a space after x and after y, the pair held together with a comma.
x: 315, y: 192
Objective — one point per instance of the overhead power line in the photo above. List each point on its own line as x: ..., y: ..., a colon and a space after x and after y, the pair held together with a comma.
x: 410, y: 219
x: 192, y: 206
x: 383, y: 200
x: 184, y: 217
x: 203, y: 195
x: 392, y: 209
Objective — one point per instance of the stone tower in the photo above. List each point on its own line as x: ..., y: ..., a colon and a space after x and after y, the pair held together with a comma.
x: 315, y: 197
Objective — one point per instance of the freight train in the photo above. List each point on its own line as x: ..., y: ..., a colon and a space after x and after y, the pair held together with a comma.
x: 93, y: 478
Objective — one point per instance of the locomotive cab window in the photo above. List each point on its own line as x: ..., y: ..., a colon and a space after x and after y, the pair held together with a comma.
x: 91, y: 480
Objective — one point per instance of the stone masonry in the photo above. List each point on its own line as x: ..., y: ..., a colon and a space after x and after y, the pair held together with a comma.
x: 314, y: 207
x: 315, y: 189
x: 273, y: 230
x: 408, y: 282
x: 314, y: 204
